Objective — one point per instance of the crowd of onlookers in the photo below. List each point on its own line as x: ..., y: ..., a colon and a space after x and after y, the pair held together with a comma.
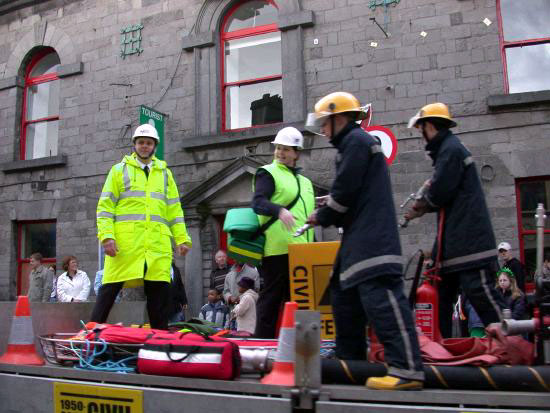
x: 510, y: 284
x: 72, y: 285
x: 232, y: 295
x: 233, y: 291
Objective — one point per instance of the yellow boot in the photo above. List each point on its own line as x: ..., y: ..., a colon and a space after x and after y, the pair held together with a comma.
x: 393, y: 383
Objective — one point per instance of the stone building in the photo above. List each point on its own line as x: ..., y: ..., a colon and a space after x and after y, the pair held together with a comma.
x: 225, y: 75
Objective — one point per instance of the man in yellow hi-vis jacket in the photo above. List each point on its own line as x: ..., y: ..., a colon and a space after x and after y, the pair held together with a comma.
x: 138, y: 214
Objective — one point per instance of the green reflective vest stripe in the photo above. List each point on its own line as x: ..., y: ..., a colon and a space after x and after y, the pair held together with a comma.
x: 286, y: 188
x: 142, y: 214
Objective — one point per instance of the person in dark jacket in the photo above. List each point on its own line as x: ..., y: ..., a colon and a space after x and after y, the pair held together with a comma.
x: 468, y: 250
x: 509, y: 290
x: 367, y: 279
x: 217, y: 276
x: 515, y: 265
x: 178, y: 297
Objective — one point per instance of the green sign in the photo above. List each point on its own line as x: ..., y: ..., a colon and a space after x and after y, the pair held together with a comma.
x: 156, y: 119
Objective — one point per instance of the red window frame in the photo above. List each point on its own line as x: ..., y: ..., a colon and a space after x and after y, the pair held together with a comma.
x: 21, y: 260
x: 238, y: 34
x: 517, y: 43
x: 521, y: 231
x: 31, y: 81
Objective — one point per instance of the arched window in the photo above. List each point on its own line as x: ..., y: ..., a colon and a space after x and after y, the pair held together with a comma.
x: 251, y: 66
x: 40, y: 115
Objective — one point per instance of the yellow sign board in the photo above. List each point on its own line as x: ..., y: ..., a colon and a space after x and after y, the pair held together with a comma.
x: 310, y: 268
x: 76, y: 398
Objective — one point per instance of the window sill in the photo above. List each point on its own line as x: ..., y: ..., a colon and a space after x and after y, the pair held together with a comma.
x: 242, y: 136
x: 518, y: 99
x: 30, y: 164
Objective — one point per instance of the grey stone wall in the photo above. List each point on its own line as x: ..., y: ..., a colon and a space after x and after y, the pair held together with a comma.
x: 457, y: 62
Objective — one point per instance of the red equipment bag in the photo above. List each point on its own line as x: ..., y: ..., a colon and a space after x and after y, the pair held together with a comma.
x: 189, y: 355
x: 121, y: 335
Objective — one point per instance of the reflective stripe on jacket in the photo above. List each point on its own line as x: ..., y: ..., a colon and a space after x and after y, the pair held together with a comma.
x: 142, y: 215
x: 286, y: 189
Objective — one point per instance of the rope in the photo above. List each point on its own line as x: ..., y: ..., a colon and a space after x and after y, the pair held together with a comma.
x: 87, y: 363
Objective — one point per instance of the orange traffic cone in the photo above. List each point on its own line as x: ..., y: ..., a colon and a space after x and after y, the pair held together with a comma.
x: 283, y: 366
x: 21, y: 342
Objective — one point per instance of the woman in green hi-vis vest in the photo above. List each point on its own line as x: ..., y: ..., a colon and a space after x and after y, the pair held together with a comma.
x: 280, y: 191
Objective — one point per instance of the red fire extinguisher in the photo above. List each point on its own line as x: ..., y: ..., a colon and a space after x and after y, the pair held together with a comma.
x: 427, y: 299
x: 427, y: 310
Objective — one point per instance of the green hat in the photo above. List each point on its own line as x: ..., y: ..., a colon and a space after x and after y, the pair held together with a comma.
x: 507, y: 271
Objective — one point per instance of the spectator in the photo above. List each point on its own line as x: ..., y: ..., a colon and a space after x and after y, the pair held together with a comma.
x: 40, y: 279
x: 53, y: 295
x: 245, y: 311
x: 546, y: 266
x: 73, y: 284
x: 231, y: 288
x: 507, y: 287
x: 505, y: 253
x: 217, y: 276
x: 178, y: 297
x: 215, y: 310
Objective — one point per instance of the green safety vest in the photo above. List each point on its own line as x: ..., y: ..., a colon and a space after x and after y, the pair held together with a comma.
x: 286, y: 188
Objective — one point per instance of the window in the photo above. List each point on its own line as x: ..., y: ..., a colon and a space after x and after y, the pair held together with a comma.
x: 525, y: 43
x: 529, y: 193
x: 33, y: 236
x: 251, y: 66
x: 40, y: 116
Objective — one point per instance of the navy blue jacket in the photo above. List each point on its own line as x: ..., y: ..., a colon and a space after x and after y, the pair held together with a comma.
x: 361, y: 202
x: 468, y: 238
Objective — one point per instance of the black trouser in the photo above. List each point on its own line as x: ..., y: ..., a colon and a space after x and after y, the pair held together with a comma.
x: 478, y: 285
x: 382, y: 302
x: 158, y: 302
x: 275, y: 292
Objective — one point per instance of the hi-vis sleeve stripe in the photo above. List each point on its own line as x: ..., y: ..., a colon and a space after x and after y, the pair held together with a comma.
x: 109, y: 195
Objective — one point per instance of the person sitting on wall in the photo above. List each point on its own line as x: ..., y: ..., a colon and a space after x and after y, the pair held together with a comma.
x: 74, y: 284
x: 245, y: 311
x: 215, y: 310
x: 40, y: 279
x: 507, y: 287
x: 231, y: 292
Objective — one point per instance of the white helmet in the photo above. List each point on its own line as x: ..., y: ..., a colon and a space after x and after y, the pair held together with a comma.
x: 289, y: 136
x: 146, y: 131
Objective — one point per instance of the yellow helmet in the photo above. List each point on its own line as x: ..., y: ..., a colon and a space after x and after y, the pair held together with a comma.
x: 333, y: 104
x: 433, y: 110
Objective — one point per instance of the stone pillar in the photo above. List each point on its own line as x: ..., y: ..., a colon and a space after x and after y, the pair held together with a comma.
x: 193, y: 268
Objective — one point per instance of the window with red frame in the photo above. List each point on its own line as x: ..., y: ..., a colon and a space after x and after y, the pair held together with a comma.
x: 33, y: 236
x: 529, y: 193
x: 40, y: 119
x: 525, y: 44
x: 252, y: 86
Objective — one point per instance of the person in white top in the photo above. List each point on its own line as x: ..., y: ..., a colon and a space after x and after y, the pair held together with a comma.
x: 245, y: 311
x: 73, y: 285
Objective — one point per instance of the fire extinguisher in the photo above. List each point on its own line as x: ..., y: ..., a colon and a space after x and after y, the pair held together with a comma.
x: 426, y: 297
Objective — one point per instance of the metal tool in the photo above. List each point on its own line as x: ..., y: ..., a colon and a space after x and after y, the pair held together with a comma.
x: 302, y: 229
x: 414, y: 197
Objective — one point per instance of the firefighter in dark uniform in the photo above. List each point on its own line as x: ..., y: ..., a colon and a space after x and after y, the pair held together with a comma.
x: 367, y: 279
x: 468, y: 255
